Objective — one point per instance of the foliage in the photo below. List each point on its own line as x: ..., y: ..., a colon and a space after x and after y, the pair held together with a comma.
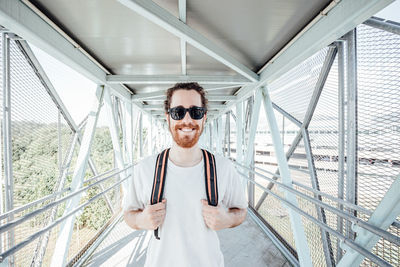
x: 36, y: 167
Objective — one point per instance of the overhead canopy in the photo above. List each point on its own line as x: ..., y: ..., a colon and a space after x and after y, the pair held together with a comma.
x: 146, y: 46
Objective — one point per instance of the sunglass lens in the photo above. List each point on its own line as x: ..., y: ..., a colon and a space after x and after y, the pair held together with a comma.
x: 196, y: 113
x: 178, y: 113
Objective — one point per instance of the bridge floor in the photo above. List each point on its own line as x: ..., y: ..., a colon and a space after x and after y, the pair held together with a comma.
x: 245, y: 245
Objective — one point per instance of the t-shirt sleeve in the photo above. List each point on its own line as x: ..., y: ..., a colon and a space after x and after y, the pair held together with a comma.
x: 235, y: 196
x: 132, y: 198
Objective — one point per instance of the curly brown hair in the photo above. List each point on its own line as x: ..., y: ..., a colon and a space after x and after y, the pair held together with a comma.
x: 185, y: 86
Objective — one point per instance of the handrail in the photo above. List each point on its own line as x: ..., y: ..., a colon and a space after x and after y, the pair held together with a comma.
x: 16, y: 222
x: 396, y: 223
x: 33, y: 203
x: 373, y: 229
x: 58, y: 221
x: 341, y: 237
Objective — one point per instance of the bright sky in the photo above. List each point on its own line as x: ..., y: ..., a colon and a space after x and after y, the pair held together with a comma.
x: 77, y: 92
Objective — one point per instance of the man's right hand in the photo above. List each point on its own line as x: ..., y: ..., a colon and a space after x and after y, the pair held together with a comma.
x: 152, y: 216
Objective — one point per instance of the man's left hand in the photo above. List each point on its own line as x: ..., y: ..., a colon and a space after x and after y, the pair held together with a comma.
x: 216, y: 218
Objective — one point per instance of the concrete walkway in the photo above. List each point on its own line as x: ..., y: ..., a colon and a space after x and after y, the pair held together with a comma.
x: 245, y: 245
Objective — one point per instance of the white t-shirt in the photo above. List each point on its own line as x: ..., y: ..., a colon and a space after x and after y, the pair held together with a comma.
x: 185, y: 240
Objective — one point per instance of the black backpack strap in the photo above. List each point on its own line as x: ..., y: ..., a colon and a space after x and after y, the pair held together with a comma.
x: 210, y: 174
x: 159, y: 180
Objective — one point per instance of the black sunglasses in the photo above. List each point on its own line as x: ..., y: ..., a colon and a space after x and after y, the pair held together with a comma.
x: 179, y: 112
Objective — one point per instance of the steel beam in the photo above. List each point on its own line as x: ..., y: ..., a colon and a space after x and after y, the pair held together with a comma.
x: 62, y: 245
x: 351, y: 160
x: 34, y: 62
x: 253, y: 115
x: 289, y: 153
x: 287, y: 115
x: 239, y: 132
x: 161, y: 95
x: 382, y: 24
x: 169, y: 22
x: 383, y: 216
x: 172, y: 79
x: 140, y: 137
x: 160, y: 107
x: 7, y: 137
x: 182, y: 17
x: 21, y: 20
x: 326, y: 67
x: 219, y: 135
x: 346, y: 15
x: 113, y: 128
x: 295, y: 219
x: 341, y: 141
x: 326, y: 240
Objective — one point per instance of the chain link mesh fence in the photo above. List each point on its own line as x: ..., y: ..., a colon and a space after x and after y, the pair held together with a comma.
x: 378, y: 164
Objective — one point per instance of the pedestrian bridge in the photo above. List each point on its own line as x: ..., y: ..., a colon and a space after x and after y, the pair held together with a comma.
x: 304, y: 98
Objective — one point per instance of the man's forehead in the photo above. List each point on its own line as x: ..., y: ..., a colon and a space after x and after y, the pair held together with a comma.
x: 185, y: 98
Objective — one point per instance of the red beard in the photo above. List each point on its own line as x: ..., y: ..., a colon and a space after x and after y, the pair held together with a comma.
x: 186, y: 140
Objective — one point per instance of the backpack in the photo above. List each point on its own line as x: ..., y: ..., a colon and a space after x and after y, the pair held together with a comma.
x: 210, y: 175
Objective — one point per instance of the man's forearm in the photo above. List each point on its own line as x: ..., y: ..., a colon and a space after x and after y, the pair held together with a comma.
x: 237, y: 216
x: 131, y: 218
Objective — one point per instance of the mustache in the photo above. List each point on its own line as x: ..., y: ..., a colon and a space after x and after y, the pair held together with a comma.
x: 184, y: 125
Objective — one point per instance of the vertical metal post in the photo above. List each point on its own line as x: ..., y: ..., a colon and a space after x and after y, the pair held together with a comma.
x: 59, y: 143
x: 219, y: 134
x: 239, y: 132
x: 341, y: 148
x: 113, y: 127
x: 249, y: 160
x: 283, y: 130
x: 326, y: 240
x: 295, y: 219
x: 7, y: 138
x: 61, y: 249
x: 228, y: 134
x: 351, y: 162
x: 140, y: 137
x: 150, y: 136
x: 212, y: 135
x: 129, y: 125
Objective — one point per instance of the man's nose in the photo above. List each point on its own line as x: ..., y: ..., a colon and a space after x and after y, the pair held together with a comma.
x: 187, y: 118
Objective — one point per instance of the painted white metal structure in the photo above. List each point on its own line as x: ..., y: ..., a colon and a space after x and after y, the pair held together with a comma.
x: 180, y: 41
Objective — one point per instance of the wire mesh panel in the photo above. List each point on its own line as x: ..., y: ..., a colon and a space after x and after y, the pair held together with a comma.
x: 378, y: 164
x: 93, y: 217
x: 378, y: 69
x: 39, y: 138
x: 293, y: 90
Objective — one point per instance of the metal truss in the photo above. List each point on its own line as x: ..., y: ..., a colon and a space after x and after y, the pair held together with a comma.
x: 63, y: 241
x: 163, y: 18
x: 171, y: 79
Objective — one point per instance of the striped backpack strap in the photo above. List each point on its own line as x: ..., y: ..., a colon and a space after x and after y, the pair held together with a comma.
x: 159, y: 180
x: 210, y: 174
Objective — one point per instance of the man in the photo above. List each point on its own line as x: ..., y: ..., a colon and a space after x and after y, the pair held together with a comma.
x: 186, y: 222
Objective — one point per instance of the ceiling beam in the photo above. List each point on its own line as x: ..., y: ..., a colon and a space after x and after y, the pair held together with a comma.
x: 333, y: 24
x: 209, y: 98
x: 161, y: 107
x: 172, y: 79
x: 182, y: 17
x: 21, y: 20
x: 169, y: 22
